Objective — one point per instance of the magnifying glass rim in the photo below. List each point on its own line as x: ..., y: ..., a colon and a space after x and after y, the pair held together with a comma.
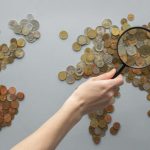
x: 136, y: 27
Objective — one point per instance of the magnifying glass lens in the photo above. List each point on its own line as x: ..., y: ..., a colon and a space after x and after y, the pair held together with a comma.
x: 134, y: 47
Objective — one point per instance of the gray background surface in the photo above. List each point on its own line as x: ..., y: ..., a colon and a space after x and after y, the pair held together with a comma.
x: 36, y: 73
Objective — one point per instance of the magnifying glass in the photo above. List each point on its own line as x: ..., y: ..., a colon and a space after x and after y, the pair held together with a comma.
x: 133, y: 49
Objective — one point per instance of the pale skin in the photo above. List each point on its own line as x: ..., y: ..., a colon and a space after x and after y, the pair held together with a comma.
x: 94, y: 94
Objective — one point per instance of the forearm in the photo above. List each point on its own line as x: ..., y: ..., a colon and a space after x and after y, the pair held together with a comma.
x: 48, y: 136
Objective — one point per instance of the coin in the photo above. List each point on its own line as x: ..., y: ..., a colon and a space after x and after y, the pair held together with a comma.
x: 19, y: 53
x: 91, y: 34
x: 20, y: 96
x: 62, y: 75
x: 76, y: 47
x: 113, y: 131
x: 131, y: 17
x: 82, y: 40
x: 116, y: 125
x: 21, y: 42
x: 12, y: 90
x: 14, y: 104
x: 148, y: 113
x: 3, y: 90
x: 7, y: 118
x: 107, y: 23
x: 63, y: 35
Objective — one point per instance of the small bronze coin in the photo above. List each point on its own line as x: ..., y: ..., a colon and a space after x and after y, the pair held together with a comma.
x: 116, y: 125
x: 14, y: 104
x: 20, y: 96
x: 12, y: 90
x: 3, y: 90
x: 148, y: 113
x: 107, y: 118
x: 113, y: 131
x: 7, y: 118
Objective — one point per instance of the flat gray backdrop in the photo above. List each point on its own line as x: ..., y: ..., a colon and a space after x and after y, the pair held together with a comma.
x: 36, y: 73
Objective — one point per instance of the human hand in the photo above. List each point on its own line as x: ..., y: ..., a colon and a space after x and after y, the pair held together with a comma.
x: 97, y: 92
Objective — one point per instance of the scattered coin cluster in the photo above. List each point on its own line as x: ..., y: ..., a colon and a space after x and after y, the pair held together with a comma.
x: 99, y: 56
x: 27, y: 27
x: 8, y: 53
x: 134, y: 48
x: 9, y: 104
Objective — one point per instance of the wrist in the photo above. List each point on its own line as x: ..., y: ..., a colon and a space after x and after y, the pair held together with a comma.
x: 74, y: 106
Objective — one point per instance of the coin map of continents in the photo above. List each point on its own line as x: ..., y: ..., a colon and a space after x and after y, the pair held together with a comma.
x: 99, y: 46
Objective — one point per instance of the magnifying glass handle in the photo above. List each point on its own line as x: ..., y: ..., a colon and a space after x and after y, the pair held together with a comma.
x: 119, y: 70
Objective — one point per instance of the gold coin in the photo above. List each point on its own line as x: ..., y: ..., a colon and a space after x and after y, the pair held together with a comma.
x: 76, y: 46
x: 131, y: 17
x: 62, y: 75
x: 148, y: 97
x: 123, y: 21
x: 21, y: 42
x: 115, y: 31
x: 63, y: 35
x: 91, y: 34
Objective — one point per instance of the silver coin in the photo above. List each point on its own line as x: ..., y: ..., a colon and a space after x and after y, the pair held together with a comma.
x: 12, y: 24
x: 29, y: 26
x: 17, y: 29
x: 100, y: 30
x: 35, y: 24
x: 98, y: 131
x: 99, y: 46
x: 36, y: 34
x: 25, y: 31
x: 70, y: 69
x: 23, y: 22
x: 131, y: 50
x: 30, y: 17
x: 107, y: 58
x: 30, y: 38
x: 79, y: 71
x: 70, y: 79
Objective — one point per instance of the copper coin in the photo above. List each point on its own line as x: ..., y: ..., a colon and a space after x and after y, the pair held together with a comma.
x: 3, y: 90
x: 20, y: 96
x: 96, y: 139
x: 109, y: 108
x: 6, y: 105
x: 113, y: 131
x: 148, y: 113
x: 116, y: 125
x: 7, y: 118
x: 1, y: 119
x: 12, y: 111
x: 108, y: 118
x: 14, y: 104
x: 12, y: 90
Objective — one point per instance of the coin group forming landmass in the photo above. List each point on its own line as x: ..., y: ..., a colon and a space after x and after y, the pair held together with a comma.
x: 10, y: 52
x: 27, y: 27
x: 100, y: 55
x: 9, y: 104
